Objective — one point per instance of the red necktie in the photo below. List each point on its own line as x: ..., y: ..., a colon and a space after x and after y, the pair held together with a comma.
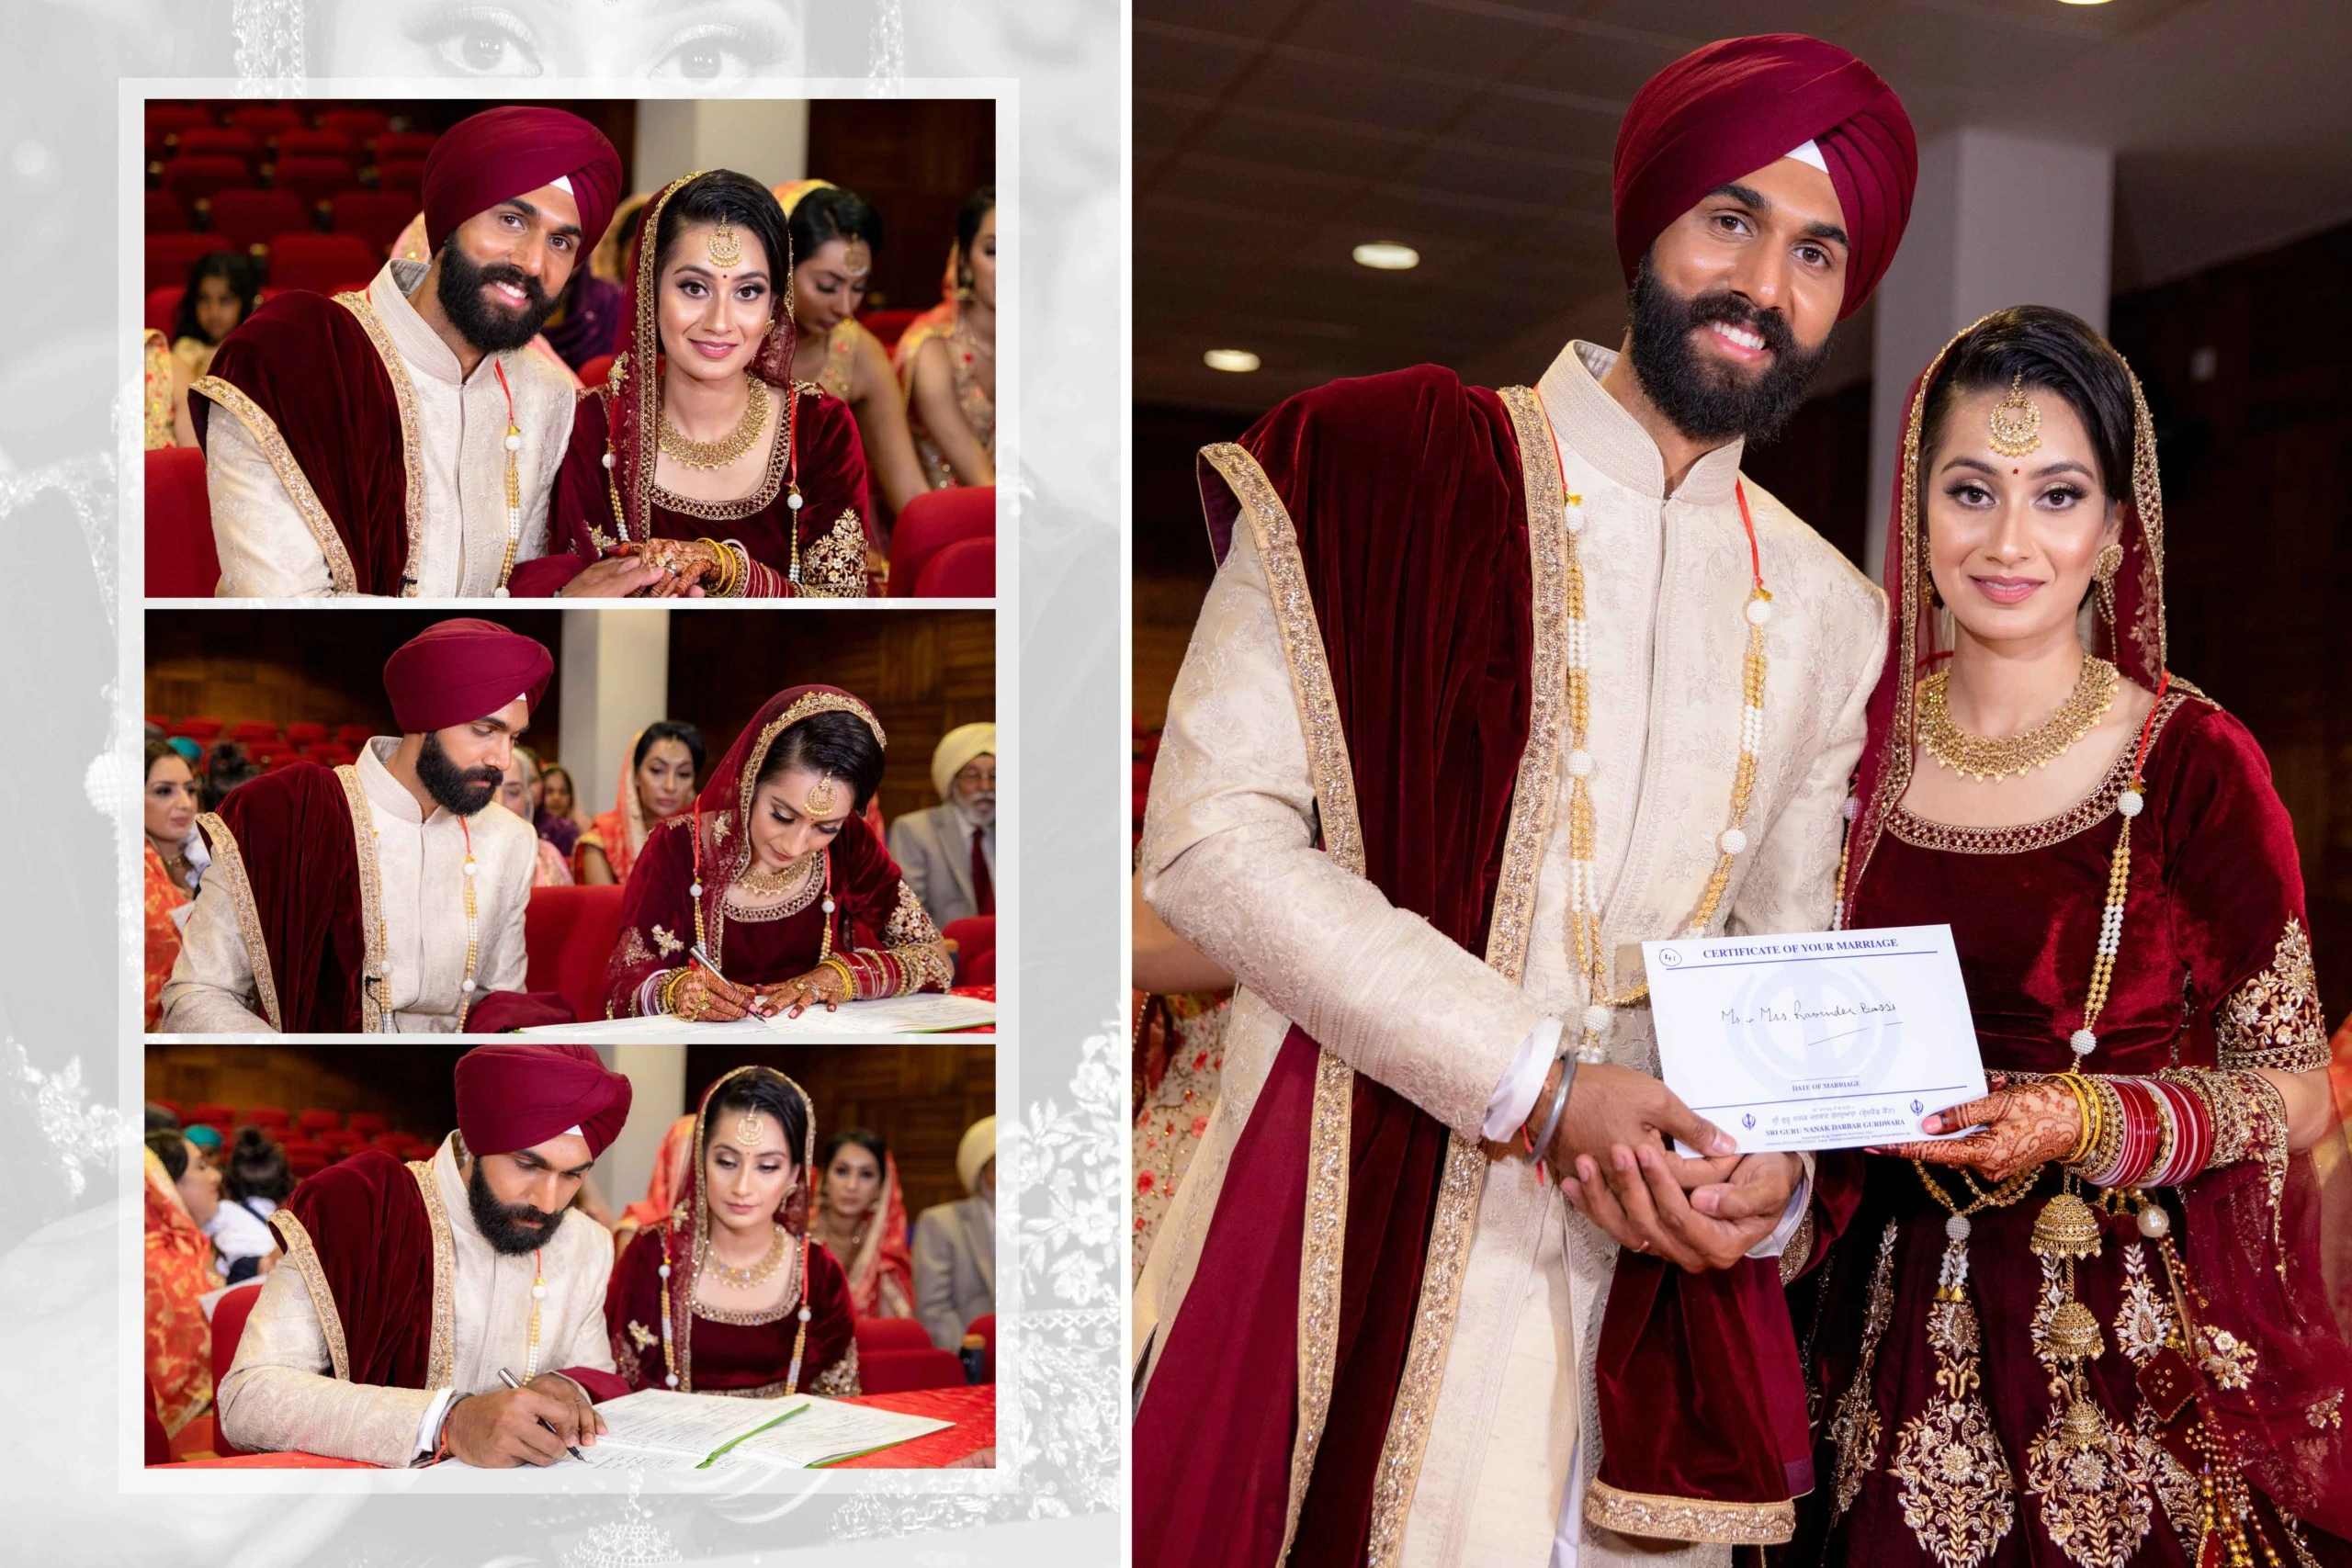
x: 983, y: 892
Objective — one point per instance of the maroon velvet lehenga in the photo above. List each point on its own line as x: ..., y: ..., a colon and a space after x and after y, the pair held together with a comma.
x: 2220, y: 1370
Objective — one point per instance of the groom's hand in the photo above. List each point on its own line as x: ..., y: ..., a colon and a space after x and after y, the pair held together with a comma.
x: 1609, y: 1107
x: 1638, y: 1198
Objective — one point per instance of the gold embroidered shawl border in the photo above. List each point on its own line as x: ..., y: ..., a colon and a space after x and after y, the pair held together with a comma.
x: 411, y: 444
x: 231, y: 874
x: 264, y: 431
x: 371, y: 901
x: 305, y: 1258
x: 1301, y: 637
x: 441, y: 1361
x: 1688, y: 1518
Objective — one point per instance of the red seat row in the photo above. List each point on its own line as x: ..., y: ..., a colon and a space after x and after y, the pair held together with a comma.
x: 298, y: 258
x: 934, y: 524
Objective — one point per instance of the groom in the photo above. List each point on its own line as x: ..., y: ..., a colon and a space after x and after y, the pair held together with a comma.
x: 1492, y: 687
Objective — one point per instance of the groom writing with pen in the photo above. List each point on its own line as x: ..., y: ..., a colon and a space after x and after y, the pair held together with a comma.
x: 414, y: 1293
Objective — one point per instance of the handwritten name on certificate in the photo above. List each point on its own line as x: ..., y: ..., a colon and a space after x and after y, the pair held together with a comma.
x: 1832, y: 1040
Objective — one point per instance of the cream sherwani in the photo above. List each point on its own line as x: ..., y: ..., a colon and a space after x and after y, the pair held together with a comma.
x: 456, y: 427
x: 419, y: 889
x: 1229, y: 860
x: 281, y: 1394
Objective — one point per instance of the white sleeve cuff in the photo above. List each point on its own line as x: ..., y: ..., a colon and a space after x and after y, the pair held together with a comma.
x: 1791, y: 1217
x: 1514, y: 1100
x: 428, y: 1431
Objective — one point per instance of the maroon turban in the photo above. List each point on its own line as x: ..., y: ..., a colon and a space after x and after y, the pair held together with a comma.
x: 500, y: 153
x: 515, y: 1097
x: 1732, y: 107
x: 454, y: 672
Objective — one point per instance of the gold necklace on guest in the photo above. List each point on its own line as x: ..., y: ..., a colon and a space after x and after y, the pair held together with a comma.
x: 759, y: 1273
x: 1973, y: 756
x: 723, y: 453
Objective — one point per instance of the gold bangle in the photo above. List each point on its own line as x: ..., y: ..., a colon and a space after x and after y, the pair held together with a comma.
x: 2084, y: 1115
x: 849, y: 980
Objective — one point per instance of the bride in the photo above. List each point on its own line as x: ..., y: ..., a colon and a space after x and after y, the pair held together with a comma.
x: 2095, y: 1330
x: 700, y: 453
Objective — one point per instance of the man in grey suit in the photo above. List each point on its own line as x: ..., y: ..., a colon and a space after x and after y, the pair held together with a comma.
x: 955, y: 1252
x: 948, y: 853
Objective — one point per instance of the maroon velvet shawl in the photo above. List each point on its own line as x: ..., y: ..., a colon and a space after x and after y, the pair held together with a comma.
x: 294, y: 854
x: 366, y: 1224
x: 1405, y: 493
x: 308, y: 365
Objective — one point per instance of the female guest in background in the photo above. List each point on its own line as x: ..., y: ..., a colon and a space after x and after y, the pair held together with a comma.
x: 701, y: 452
x: 835, y: 235
x: 2106, y: 1337
x: 514, y: 793
x: 777, y: 877
x: 178, y: 1272
x: 665, y: 761
x: 725, y: 1294
x: 559, y: 818
x: 223, y: 289
x: 862, y: 1220
x: 950, y: 375
x: 661, y: 1190
x: 173, y: 857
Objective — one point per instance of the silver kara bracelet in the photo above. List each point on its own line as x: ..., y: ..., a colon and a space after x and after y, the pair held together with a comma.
x: 1558, y: 1108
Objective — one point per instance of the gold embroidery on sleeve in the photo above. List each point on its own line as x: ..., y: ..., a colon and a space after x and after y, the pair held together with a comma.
x: 442, y: 1359
x: 834, y: 566
x: 839, y: 1380
x: 230, y: 868
x: 305, y: 1258
x: 264, y: 434
x: 411, y: 444
x: 371, y: 903
x: 2274, y: 1018
x: 1688, y: 1518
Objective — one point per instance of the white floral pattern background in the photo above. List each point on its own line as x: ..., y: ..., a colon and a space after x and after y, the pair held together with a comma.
x: 68, y: 1122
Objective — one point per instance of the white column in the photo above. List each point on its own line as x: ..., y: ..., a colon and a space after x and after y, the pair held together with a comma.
x: 615, y: 681
x: 657, y: 1080
x: 1998, y: 219
x: 764, y: 138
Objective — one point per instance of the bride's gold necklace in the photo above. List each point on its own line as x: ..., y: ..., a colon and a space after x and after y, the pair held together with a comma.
x: 722, y: 453
x: 1973, y: 756
x: 776, y: 880
x: 759, y: 1273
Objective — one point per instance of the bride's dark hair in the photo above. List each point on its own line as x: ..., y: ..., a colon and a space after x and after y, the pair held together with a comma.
x: 722, y: 196
x: 835, y: 743
x: 2057, y: 352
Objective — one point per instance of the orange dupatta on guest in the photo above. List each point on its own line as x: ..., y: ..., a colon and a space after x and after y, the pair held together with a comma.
x: 619, y: 832
x: 161, y: 897
x: 882, y: 1270
x: 178, y: 1273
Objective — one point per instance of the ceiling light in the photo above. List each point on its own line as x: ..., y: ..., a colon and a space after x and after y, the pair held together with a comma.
x: 2082, y: 2
x: 1238, y: 360
x: 1388, y: 256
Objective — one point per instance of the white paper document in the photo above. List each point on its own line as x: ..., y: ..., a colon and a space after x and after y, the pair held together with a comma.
x: 659, y: 1428
x: 1829, y: 1040
x: 829, y: 1430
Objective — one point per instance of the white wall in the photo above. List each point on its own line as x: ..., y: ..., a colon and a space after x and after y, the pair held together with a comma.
x: 657, y: 1077
x: 615, y: 679
x: 1997, y: 220
x: 764, y: 138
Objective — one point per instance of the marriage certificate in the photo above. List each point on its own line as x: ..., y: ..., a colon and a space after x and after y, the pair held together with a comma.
x: 1830, y: 1040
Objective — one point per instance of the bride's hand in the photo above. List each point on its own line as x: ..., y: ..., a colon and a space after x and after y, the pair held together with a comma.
x: 686, y: 564
x: 822, y: 987
x: 2024, y: 1125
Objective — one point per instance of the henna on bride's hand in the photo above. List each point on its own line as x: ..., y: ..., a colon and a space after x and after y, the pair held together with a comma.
x: 2024, y: 1125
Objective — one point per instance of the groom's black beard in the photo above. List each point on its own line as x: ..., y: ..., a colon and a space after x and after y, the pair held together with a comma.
x: 463, y: 791
x: 1709, y: 400
x: 492, y: 328
x: 512, y: 1229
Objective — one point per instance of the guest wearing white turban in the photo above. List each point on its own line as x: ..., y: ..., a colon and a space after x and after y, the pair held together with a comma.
x: 955, y: 1252
x: 948, y: 852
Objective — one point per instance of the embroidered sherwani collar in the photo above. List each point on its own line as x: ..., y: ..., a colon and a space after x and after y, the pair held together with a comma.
x: 386, y: 795
x: 416, y: 342
x: 1597, y: 428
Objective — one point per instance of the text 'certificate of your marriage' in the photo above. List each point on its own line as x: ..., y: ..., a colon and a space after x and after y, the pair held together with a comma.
x: 1832, y: 1040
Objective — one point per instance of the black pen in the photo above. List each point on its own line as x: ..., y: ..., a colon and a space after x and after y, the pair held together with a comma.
x: 508, y: 1379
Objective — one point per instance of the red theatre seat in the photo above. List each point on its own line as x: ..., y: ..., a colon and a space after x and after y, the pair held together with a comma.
x: 317, y: 1120
x: 272, y: 1117
x: 888, y: 325
x: 199, y: 729
x: 171, y: 1105
x: 932, y: 521
x: 360, y: 125
x: 896, y: 1372
x: 400, y: 173
x: 209, y: 1111
x: 304, y: 733
x: 596, y: 372
x: 251, y: 729
x: 568, y: 935
x: 376, y: 217
x: 878, y: 1335
x: 320, y: 262
x: 312, y: 177
x: 980, y: 971
x: 320, y: 143
x: 353, y: 734
x: 985, y: 1326
x: 404, y: 144
x: 268, y: 121
x: 193, y: 176
x: 164, y: 213
x: 229, y: 1315
x: 170, y: 256
x: 965, y: 570
x: 972, y: 936
x: 158, y: 1442
x: 220, y: 140
x: 181, y: 560
x: 174, y: 118
x: 163, y: 307
x: 367, y: 1121
x: 244, y: 219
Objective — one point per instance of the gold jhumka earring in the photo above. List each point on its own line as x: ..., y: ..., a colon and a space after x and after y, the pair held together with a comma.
x: 2104, y: 566
x: 2016, y: 423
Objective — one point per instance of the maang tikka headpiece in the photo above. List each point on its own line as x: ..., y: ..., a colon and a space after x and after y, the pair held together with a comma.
x: 725, y: 247
x: 748, y: 1131
x: 2016, y: 421
x: 823, y: 794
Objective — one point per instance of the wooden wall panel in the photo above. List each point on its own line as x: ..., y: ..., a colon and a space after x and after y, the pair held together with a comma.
x: 410, y: 1085
x: 916, y: 160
